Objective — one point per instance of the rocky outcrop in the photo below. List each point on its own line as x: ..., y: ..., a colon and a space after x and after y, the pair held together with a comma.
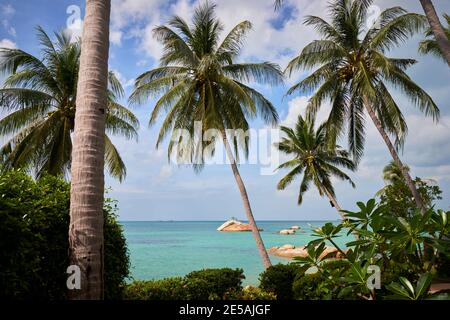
x: 290, y: 251
x: 235, y: 226
x: 287, y: 232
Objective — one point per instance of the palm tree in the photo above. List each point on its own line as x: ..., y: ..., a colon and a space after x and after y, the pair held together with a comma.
x: 202, y: 84
x: 312, y: 157
x: 437, y: 29
x: 392, y: 173
x: 430, y: 45
x: 88, y: 154
x: 353, y: 72
x: 38, y: 99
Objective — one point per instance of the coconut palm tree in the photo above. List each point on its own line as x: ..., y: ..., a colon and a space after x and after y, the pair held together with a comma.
x: 202, y: 84
x: 38, y: 101
x: 312, y: 158
x: 88, y: 154
x: 441, y: 36
x: 392, y: 173
x: 354, y: 73
x: 430, y: 45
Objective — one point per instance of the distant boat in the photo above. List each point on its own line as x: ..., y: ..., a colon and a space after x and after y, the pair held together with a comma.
x: 234, y: 225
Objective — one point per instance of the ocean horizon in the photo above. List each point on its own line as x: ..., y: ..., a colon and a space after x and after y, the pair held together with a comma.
x: 169, y: 248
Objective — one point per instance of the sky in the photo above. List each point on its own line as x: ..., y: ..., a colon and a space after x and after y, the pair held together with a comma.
x: 155, y: 189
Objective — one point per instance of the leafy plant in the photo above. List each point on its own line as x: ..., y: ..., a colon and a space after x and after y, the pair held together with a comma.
x: 278, y: 279
x: 34, y: 224
x: 404, y: 290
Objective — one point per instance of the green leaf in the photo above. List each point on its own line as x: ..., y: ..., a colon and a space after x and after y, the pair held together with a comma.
x: 423, y: 284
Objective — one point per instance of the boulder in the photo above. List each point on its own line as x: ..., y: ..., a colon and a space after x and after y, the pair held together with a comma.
x: 290, y: 251
x: 287, y: 247
x: 287, y: 232
x: 235, y: 226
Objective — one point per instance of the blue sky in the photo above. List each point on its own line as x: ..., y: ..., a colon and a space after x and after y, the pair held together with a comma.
x: 156, y: 190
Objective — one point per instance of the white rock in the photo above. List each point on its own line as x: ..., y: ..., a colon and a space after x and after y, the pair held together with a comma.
x: 287, y: 232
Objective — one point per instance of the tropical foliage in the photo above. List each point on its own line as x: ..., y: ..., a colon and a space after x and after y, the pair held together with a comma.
x: 402, y: 248
x: 352, y: 71
x: 34, y: 223
x: 204, y: 90
x: 201, y: 81
x: 38, y: 100
x: 312, y: 157
x: 430, y: 45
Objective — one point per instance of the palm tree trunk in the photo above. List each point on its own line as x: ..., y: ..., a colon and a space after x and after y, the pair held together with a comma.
x: 248, y: 210
x: 437, y: 28
x: 87, y: 187
x: 336, y: 205
x: 394, y: 154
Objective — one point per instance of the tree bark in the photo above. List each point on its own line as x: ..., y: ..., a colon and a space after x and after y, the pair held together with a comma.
x: 393, y: 151
x: 87, y: 186
x: 436, y: 27
x: 248, y: 210
x: 336, y: 205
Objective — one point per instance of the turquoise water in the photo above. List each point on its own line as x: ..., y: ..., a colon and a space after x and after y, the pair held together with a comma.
x: 167, y: 249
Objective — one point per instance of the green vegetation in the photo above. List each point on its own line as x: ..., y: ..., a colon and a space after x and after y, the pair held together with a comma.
x: 201, y: 80
x: 430, y: 45
x: 39, y: 98
x: 278, y: 279
x: 205, y: 284
x: 34, y: 223
x: 202, y: 83
x: 401, y: 247
x: 352, y: 71
x: 312, y: 157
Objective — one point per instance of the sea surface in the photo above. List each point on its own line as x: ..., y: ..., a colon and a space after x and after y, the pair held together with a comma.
x: 174, y: 248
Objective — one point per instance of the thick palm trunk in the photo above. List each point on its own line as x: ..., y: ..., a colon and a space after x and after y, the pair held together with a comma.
x: 436, y: 27
x: 393, y: 151
x: 248, y: 210
x: 87, y: 187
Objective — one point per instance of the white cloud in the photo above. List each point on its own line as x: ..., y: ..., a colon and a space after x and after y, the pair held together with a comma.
x: 6, y: 43
x: 116, y: 37
x: 126, y: 83
x: 7, y: 10
x: 165, y: 173
x: 298, y: 105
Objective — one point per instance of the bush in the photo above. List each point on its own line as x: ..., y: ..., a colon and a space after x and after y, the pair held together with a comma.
x: 213, y: 283
x: 317, y: 286
x: 310, y: 287
x: 166, y: 289
x: 250, y: 293
x: 207, y: 284
x: 34, y: 224
x: 278, y: 279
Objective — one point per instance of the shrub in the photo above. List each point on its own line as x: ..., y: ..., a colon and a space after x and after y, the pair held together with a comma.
x: 321, y: 286
x: 205, y: 284
x: 213, y: 283
x: 250, y: 293
x: 34, y: 224
x: 278, y: 279
x: 166, y: 289
x: 310, y: 287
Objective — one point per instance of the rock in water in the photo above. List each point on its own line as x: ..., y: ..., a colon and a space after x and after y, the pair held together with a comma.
x: 235, y: 226
x: 287, y: 232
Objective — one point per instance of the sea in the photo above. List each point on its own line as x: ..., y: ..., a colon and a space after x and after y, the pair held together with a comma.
x: 162, y: 249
